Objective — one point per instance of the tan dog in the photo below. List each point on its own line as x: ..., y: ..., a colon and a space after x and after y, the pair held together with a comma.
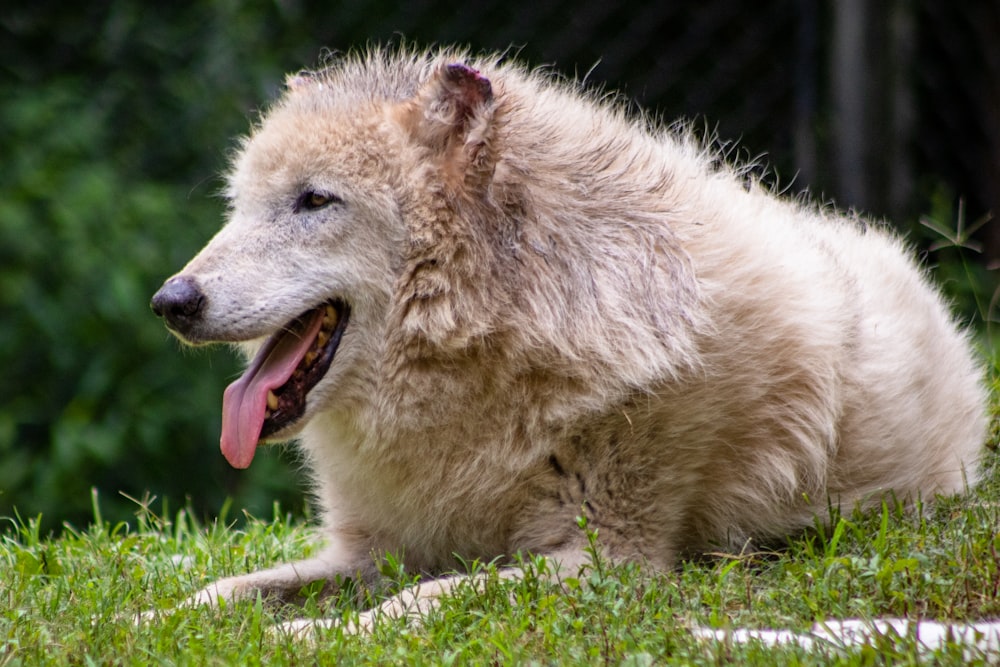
x: 487, y: 302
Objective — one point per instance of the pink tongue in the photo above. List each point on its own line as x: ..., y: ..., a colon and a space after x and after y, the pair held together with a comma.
x: 245, y: 400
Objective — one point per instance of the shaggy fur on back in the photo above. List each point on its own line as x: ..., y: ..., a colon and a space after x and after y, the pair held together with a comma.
x: 559, y: 308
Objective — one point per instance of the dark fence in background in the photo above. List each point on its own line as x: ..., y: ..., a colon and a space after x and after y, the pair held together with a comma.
x: 115, y: 117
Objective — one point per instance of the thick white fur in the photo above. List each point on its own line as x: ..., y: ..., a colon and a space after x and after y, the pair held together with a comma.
x: 561, y: 309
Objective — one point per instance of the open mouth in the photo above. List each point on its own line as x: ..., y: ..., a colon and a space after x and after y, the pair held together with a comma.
x: 271, y: 395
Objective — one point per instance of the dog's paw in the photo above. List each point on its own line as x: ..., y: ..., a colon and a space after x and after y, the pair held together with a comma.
x: 309, y: 629
x: 303, y: 629
x: 214, y: 596
x: 139, y: 619
x: 218, y: 593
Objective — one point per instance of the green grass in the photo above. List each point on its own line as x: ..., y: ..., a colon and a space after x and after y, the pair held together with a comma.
x: 68, y: 599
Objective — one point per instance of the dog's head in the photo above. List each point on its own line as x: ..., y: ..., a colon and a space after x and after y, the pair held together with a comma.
x: 335, y: 206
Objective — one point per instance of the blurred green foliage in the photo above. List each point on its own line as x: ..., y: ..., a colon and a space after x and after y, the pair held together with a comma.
x: 111, y: 147
x: 115, y: 121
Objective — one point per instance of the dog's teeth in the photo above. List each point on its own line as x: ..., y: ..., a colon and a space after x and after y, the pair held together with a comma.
x: 330, y: 317
x: 322, y: 338
x: 272, y: 400
x: 310, y: 357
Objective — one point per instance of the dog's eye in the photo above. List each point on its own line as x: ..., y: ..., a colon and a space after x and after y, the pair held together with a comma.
x: 310, y: 200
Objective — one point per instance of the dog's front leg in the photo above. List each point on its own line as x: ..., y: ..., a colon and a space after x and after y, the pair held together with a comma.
x: 281, y: 584
x: 284, y: 583
x: 414, y: 602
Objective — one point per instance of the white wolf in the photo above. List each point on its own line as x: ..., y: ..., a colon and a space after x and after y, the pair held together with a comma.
x: 487, y: 302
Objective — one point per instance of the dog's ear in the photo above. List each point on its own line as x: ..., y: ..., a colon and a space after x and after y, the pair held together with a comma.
x: 452, y: 115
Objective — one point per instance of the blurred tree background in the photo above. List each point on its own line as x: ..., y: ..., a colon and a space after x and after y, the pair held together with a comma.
x: 116, y: 119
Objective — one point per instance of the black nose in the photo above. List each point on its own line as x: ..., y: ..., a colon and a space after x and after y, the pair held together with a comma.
x: 180, y: 302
